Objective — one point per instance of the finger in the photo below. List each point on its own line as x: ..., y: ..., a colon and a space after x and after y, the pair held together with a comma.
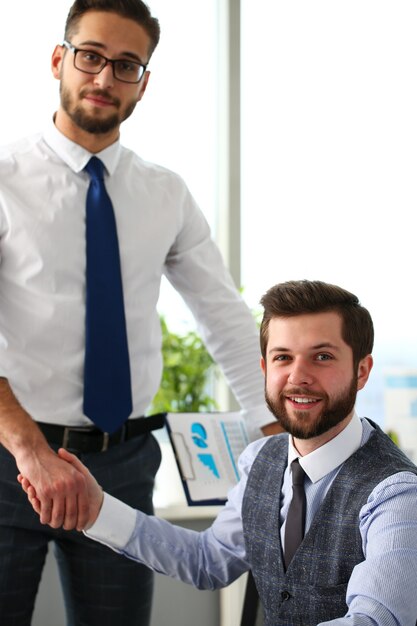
x: 45, y: 510
x: 35, y: 504
x: 83, y: 511
x: 58, y: 512
x: 75, y: 461
x: 25, y: 484
x: 71, y: 511
x: 31, y: 492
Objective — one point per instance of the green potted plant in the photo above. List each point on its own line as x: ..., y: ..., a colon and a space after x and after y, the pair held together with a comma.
x: 188, y: 368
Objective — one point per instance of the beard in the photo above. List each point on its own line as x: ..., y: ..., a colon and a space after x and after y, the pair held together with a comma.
x: 301, y: 425
x: 91, y: 123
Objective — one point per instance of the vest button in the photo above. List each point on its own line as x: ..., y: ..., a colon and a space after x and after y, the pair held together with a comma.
x: 285, y: 595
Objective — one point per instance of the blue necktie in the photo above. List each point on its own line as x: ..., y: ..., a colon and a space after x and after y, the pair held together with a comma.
x: 107, y: 388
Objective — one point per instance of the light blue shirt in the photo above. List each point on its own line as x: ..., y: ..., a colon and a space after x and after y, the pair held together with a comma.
x: 382, y: 590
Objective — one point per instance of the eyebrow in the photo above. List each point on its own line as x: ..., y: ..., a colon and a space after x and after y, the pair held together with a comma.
x: 102, y: 46
x: 319, y: 346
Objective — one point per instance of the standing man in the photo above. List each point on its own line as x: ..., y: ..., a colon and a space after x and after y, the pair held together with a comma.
x: 325, y: 516
x: 87, y: 229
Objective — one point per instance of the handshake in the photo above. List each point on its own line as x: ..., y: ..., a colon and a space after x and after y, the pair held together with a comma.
x: 60, y: 506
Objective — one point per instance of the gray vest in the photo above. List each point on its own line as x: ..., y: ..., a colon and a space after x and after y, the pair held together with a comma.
x: 313, y: 589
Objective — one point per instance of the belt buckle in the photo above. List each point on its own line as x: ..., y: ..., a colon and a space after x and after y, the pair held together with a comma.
x: 83, y: 429
x: 65, y: 438
x: 105, y: 442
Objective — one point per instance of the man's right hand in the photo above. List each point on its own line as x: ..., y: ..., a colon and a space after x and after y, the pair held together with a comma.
x: 61, y: 489
x: 94, y: 494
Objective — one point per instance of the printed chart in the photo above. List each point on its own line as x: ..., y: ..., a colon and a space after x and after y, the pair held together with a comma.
x: 207, y: 447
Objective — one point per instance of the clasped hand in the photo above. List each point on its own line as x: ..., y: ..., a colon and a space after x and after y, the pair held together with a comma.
x: 91, y: 499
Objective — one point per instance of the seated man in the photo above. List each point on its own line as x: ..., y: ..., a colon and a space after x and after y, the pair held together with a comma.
x: 324, y: 516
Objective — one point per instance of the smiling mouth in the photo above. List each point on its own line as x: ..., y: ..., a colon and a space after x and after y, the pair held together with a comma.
x: 303, y: 400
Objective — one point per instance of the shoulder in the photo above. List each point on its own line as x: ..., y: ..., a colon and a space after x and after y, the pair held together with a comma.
x: 152, y: 171
x: 391, y: 505
x: 398, y: 488
x: 12, y: 153
x: 389, y: 455
x: 400, y: 483
x: 253, y: 450
x: 20, y: 146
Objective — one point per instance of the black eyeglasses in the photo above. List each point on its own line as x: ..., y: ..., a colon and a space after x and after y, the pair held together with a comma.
x: 91, y: 62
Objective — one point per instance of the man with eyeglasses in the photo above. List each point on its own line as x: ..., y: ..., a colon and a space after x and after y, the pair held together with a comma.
x: 84, y: 221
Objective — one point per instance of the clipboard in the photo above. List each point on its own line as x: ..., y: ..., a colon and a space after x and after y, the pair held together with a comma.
x: 206, y: 448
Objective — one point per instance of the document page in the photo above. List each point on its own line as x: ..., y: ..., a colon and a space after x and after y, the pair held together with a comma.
x: 207, y: 447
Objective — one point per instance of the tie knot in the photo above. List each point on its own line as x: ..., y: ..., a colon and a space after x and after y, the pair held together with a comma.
x: 298, y: 473
x: 95, y: 168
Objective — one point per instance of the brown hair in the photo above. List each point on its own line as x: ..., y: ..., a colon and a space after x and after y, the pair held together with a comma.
x: 135, y: 10
x: 299, y: 297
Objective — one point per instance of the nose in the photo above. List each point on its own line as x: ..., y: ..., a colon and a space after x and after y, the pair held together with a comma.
x: 105, y: 78
x: 300, y: 374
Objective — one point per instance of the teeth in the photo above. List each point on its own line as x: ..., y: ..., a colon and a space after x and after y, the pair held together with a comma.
x: 304, y: 400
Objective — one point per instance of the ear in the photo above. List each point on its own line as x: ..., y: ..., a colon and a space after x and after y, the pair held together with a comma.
x: 364, y: 369
x: 143, y: 85
x: 56, y: 61
x: 263, y: 365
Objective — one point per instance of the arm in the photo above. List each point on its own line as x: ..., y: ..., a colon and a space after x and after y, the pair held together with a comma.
x: 195, y: 268
x: 382, y: 589
x: 60, y: 488
x: 207, y: 560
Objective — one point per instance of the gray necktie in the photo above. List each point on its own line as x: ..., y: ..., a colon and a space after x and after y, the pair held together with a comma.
x: 295, y: 524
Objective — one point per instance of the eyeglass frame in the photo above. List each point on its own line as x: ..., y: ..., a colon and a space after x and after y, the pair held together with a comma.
x: 68, y: 45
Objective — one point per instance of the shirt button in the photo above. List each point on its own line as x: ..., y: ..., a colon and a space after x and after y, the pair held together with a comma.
x: 285, y: 595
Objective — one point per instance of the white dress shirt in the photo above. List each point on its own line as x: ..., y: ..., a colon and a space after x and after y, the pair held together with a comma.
x: 42, y: 275
x: 381, y: 590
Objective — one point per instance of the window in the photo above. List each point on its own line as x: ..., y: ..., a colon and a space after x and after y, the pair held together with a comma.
x: 329, y: 137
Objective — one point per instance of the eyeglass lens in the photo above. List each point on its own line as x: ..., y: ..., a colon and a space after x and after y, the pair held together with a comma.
x: 123, y: 69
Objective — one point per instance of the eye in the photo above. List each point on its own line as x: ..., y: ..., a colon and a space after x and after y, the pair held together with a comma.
x: 127, y: 67
x: 324, y: 357
x: 91, y: 58
x: 281, y: 357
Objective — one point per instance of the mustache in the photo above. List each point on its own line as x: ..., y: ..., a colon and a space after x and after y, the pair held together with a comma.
x: 100, y: 93
x: 299, y: 391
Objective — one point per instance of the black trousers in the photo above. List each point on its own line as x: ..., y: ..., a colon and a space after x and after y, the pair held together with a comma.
x: 101, y: 588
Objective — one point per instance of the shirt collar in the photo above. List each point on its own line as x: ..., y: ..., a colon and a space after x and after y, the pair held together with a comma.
x: 77, y: 157
x: 320, y: 462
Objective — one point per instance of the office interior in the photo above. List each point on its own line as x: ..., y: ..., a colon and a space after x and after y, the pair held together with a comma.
x: 294, y: 126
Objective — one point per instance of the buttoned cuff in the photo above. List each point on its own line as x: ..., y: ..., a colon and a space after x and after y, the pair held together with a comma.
x: 115, y: 523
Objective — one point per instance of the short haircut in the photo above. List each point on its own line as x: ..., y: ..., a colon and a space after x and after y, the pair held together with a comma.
x: 294, y: 298
x: 135, y: 10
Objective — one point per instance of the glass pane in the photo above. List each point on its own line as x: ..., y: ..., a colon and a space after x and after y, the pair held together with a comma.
x: 329, y: 139
x: 177, y: 121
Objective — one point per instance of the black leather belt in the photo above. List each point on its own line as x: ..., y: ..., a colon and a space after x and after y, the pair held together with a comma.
x: 82, y: 439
